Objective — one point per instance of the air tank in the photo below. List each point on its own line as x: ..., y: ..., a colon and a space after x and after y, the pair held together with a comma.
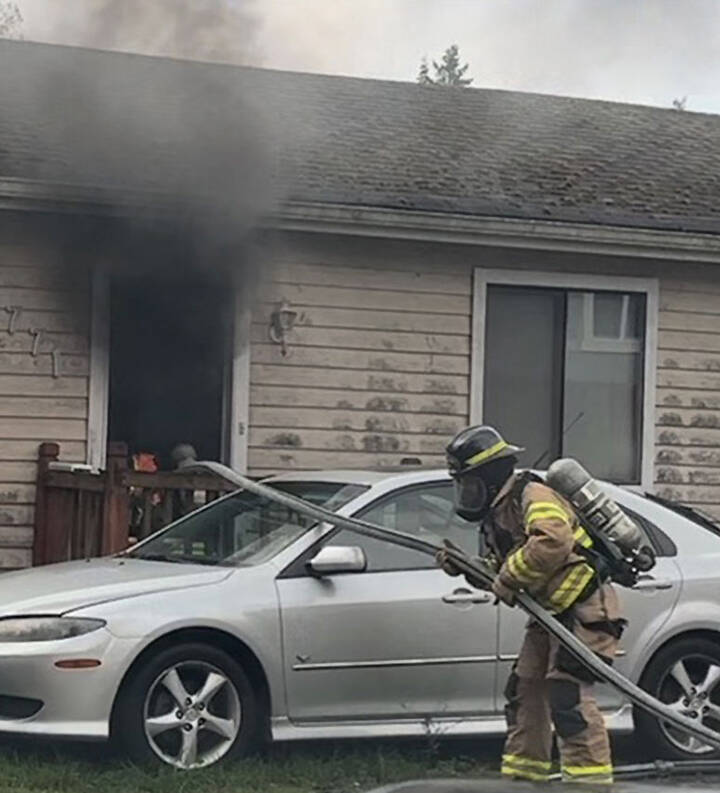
x: 598, y: 511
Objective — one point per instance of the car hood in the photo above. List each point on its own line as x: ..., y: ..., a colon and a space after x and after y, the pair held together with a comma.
x: 58, y: 588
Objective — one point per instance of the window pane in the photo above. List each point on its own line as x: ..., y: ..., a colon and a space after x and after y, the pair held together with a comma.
x: 603, y: 392
x: 635, y: 323
x: 245, y: 529
x: 425, y: 512
x: 607, y: 314
x: 524, y: 344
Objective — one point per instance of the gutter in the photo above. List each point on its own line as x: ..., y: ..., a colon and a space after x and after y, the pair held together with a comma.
x: 499, y: 232
x: 33, y: 196
x: 386, y: 223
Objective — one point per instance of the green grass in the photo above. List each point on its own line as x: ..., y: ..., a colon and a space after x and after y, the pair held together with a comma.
x: 349, y: 767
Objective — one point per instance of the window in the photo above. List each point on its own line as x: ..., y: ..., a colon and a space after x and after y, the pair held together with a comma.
x: 427, y: 512
x: 611, y: 321
x: 652, y: 534
x: 243, y: 529
x: 565, y: 368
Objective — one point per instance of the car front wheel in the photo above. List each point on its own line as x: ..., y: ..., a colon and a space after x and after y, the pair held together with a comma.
x: 685, y: 675
x: 189, y: 706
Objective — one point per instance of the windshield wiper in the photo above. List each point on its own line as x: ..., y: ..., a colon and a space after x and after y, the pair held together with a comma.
x: 689, y: 512
x: 159, y: 557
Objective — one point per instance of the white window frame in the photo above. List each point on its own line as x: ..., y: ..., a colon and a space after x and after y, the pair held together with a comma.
x: 593, y: 343
x: 573, y: 281
x: 237, y: 413
x: 99, y: 375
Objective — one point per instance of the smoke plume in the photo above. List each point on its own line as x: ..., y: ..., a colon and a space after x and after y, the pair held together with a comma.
x: 215, y: 30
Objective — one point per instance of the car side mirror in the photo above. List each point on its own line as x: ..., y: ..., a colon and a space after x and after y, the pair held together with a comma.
x: 338, y: 559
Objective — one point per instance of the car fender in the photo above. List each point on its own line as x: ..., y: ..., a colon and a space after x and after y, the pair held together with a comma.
x: 687, y: 616
x: 139, y: 622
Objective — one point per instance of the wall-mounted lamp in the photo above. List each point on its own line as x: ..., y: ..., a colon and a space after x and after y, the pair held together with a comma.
x: 282, y: 321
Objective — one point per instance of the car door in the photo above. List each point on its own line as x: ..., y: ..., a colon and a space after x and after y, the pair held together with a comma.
x: 650, y: 602
x: 400, y: 640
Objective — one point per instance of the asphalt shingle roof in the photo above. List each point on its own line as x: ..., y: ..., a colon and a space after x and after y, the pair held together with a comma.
x: 85, y: 117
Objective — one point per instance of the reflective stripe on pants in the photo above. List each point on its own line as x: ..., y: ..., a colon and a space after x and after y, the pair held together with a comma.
x: 590, y: 774
x: 520, y: 767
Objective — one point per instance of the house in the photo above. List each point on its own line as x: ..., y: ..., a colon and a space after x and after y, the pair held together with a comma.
x: 296, y: 271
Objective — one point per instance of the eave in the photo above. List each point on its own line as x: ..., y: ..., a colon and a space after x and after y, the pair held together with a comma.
x: 387, y: 223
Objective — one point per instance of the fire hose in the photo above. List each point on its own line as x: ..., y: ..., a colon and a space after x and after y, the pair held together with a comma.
x: 480, y: 570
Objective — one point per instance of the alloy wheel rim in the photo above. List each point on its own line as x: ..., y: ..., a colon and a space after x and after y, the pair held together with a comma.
x: 692, y: 687
x: 191, y: 714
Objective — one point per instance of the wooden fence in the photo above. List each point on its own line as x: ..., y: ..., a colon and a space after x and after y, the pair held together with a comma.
x: 80, y: 514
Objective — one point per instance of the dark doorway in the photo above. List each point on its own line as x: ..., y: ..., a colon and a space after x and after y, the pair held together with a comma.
x: 168, y: 353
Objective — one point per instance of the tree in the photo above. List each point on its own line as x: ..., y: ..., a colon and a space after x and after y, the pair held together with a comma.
x: 449, y: 72
x: 680, y: 104
x: 424, y: 73
x: 10, y: 20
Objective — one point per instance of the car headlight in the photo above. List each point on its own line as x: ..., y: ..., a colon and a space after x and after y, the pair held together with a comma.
x: 45, y: 629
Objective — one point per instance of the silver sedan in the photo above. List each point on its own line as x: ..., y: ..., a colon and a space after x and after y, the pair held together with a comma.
x: 245, y: 621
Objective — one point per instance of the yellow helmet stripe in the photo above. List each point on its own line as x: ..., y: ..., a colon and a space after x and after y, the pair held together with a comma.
x: 486, y: 454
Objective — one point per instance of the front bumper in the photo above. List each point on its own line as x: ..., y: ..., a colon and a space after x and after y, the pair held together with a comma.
x: 76, y: 703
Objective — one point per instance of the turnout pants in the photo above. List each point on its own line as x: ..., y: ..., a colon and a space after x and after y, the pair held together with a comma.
x: 550, y: 688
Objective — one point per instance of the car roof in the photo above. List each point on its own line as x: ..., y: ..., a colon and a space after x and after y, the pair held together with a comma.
x: 396, y: 477
x: 399, y: 476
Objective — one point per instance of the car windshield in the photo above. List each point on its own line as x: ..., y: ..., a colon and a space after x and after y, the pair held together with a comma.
x: 243, y: 529
x: 692, y: 513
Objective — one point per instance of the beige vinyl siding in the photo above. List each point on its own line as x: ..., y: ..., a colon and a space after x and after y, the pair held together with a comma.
x: 378, y: 368
x: 34, y: 405
x: 688, y: 394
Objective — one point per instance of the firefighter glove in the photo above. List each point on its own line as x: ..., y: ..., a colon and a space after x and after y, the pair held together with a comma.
x: 504, y: 592
x: 477, y: 582
x: 443, y: 559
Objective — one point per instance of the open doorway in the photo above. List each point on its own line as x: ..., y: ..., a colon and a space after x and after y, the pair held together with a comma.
x: 169, y: 355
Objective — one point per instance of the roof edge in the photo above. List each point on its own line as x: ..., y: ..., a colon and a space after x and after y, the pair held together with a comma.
x: 31, y: 195
x: 502, y: 232
x: 369, y: 221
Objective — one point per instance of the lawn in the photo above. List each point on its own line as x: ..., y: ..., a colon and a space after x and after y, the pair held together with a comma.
x: 347, y: 767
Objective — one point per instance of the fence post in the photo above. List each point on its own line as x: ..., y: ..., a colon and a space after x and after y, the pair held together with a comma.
x: 116, y: 505
x: 47, y: 453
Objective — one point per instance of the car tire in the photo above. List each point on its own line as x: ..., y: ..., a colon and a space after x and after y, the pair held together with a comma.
x: 185, y: 694
x: 672, y: 675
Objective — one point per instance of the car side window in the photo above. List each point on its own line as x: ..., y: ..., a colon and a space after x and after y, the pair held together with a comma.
x: 653, y: 536
x: 426, y: 512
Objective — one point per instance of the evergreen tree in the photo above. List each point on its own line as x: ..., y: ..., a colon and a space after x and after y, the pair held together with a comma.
x: 449, y: 72
x: 424, y: 73
x: 10, y: 20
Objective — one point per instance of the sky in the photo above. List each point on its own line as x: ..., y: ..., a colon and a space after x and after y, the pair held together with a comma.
x: 643, y: 51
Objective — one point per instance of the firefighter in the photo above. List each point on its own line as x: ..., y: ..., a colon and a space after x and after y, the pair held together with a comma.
x: 536, y: 544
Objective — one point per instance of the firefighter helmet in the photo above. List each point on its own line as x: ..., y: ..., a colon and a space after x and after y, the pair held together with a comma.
x: 476, y: 446
x: 489, y: 460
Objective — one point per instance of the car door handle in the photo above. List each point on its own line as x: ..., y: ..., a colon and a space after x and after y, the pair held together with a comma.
x: 466, y: 596
x: 650, y: 583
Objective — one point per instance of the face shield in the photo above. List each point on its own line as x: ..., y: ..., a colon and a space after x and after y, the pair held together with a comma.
x: 471, y: 496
